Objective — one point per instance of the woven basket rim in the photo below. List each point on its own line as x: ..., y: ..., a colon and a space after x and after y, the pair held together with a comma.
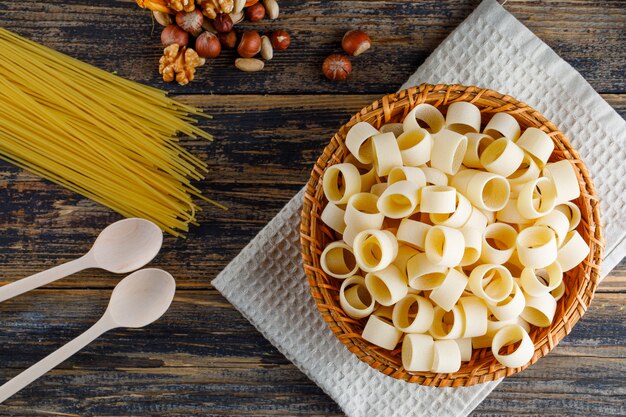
x: 581, y: 282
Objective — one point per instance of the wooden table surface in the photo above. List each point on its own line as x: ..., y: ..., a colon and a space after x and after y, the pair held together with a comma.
x: 203, y: 357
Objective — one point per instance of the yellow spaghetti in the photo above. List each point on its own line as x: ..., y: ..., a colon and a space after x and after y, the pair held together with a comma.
x: 107, y: 138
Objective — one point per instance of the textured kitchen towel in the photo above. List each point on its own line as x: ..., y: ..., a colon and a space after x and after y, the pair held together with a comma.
x: 266, y: 281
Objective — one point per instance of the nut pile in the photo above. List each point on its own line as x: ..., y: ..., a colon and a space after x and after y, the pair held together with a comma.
x: 197, y: 30
x: 337, y: 67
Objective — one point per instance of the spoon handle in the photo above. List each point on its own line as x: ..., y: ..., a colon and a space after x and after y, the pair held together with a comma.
x: 45, y: 277
x: 51, y: 361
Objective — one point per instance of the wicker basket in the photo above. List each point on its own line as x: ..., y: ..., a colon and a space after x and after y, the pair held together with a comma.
x: 580, y: 282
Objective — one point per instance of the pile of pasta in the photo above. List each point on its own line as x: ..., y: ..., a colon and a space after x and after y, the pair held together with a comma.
x: 452, y: 239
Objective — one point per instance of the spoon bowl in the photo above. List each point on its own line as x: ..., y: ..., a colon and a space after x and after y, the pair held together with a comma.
x: 141, y: 298
x: 127, y: 245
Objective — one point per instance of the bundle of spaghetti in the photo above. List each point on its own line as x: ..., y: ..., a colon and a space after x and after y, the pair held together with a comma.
x: 107, y: 138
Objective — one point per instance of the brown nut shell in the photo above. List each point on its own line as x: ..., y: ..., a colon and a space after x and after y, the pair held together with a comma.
x: 255, y: 12
x: 228, y: 40
x: 280, y: 40
x: 172, y: 34
x: 250, y: 44
x: 190, y: 22
x: 337, y: 67
x: 223, y: 23
x: 355, y: 42
x: 208, y: 46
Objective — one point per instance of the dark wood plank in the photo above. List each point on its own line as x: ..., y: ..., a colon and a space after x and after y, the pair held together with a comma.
x: 204, y: 358
x: 117, y: 36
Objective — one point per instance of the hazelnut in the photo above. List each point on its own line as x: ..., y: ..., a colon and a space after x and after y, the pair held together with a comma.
x: 208, y: 46
x: 190, y: 22
x: 280, y: 40
x: 255, y: 12
x: 228, y: 40
x: 250, y: 44
x: 223, y: 23
x: 355, y: 42
x: 172, y: 34
x: 337, y: 67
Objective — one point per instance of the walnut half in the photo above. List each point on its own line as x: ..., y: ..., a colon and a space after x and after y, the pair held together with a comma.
x: 211, y: 8
x: 179, y: 64
x: 167, y: 6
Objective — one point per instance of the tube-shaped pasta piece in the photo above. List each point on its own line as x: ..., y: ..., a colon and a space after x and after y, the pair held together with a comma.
x: 526, y: 172
x: 447, y: 358
x: 386, y: 153
x: 473, y: 238
x: 509, y: 335
x: 367, y: 171
x: 399, y: 200
x: 573, y: 251
x: 492, y: 283
x: 476, y: 145
x: 438, y: 199
x: 444, y: 246
x: 338, y: 261
x: 463, y: 117
x: 572, y: 212
x: 374, y: 250
x: 498, y: 243
x: 387, y: 286
x: 434, y: 176
x: 381, y: 333
x: 536, y: 247
x: 492, y: 328
x: 447, y: 294
x: 359, y: 143
x: 423, y: 274
x: 558, y: 292
x: 418, y: 352
x: 378, y: 189
x: 334, y: 217
x: 362, y: 212
x: 447, y: 324
x: 418, y: 322
x: 503, y: 124
x: 465, y: 347
x: 431, y: 118
x: 475, y: 314
x: 527, y: 205
x: 339, y: 189
x: 355, y: 299
x: 539, y: 311
x: 537, y: 143
x: 485, y: 190
x: 404, y: 254
x: 448, y: 151
x: 415, y: 147
x: 478, y: 220
x: 458, y: 218
x: 537, y: 282
x: 510, y: 213
x: 395, y: 128
x: 511, y: 307
x: 412, y: 232
x: 412, y: 174
x: 558, y: 222
x: 564, y: 177
x: 502, y: 157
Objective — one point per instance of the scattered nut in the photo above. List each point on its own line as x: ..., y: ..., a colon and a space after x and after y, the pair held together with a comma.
x: 271, y: 8
x: 179, y: 64
x: 267, y: 52
x: 212, y: 8
x: 250, y: 44
x: 208, y: 46
x: 223, y: 23
x: 228, y: 40
x: 337, y: 67
x: 239, y: 5
x: 236, y: 17
x: 280, y: 40
x: 355, y: 42
x: 190, y: 22
x: 162, y: 18
x: 255, y: 12
x: 208, y: 26
x: 172, y: 34
x: 249, y: 64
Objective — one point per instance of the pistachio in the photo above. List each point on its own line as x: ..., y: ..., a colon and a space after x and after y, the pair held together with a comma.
x: 249, y: 64
x: 271, y: 8
x: 267, y: 51
x: 236, y: 17
x: 162, y: 18
x: 239, y: 5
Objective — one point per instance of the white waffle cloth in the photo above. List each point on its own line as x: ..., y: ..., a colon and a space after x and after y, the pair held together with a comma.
x: 266, y: 282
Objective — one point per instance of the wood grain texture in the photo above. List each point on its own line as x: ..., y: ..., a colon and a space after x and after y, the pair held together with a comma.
x: 204, y: 358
